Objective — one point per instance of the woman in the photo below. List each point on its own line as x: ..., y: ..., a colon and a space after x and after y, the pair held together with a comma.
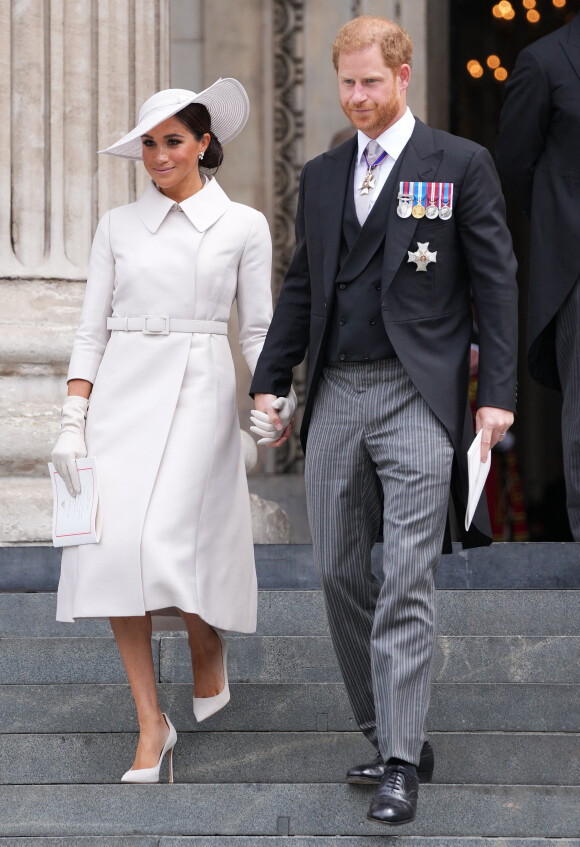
x: 152, y: 354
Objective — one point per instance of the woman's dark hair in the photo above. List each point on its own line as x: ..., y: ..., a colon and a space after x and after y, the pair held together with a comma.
x: 196, y: 118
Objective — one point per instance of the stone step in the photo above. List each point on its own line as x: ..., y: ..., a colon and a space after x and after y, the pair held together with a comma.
x: 287, y: 757
x: 309, y: 707
x: 549, y: 659
x: 295, y: 612
x: 524, y: 811
x: 282, y: 841
x: 26, y: 440
x: 511, y: 565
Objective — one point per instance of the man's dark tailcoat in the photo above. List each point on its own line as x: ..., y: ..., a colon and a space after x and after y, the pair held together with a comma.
x: 427, y: 315
x: 537, y: 157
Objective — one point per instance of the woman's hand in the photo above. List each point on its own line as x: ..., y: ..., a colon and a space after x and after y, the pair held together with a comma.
x: 70, y: 445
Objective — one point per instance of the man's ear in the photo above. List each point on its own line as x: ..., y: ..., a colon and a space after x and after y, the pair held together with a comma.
x: 403, y: 77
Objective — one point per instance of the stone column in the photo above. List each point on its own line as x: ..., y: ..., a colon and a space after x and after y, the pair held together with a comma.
x: 74, y: 73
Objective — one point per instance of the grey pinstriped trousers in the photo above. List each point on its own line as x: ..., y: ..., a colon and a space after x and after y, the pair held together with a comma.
x: 371, y: 429
x: 568, y: 358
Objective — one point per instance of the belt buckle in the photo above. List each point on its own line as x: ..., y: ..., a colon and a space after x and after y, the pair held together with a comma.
x: 164, y: 331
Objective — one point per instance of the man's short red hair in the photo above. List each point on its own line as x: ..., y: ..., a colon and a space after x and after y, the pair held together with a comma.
x: 366, y: 30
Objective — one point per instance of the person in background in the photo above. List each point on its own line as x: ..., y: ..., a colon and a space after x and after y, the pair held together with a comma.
x: 537, y: 157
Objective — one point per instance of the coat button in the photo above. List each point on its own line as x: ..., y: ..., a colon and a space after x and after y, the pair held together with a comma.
x: 342, y: 322
x: 365, y: 358
x: 378, y: 286
x: 342, y: 357
x: 372, y: 321
x: 342, y: 286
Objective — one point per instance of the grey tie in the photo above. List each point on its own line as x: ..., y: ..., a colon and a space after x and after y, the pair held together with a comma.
x: 363, y: 202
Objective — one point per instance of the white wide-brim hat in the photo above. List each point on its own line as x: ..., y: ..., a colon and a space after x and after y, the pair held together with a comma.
x: 226, y: 101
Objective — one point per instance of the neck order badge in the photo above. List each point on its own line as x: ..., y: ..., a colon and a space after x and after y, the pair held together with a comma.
x: 372, y: 163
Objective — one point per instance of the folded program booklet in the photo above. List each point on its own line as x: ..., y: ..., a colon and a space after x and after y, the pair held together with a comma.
x: 76, y: 520
x: 477, y: 471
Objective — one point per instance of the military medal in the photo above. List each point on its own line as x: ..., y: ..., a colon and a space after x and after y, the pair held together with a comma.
x: 419, y: 195
x: 369, y: 180
x: 405, y: 207
x: 446, y: 200
x: 422, y: 256
x: 432, y: 210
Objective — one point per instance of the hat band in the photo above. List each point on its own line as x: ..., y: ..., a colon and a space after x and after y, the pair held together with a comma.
x: 163, y: 107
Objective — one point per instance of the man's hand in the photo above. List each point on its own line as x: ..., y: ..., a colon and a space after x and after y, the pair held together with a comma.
x: 494, y: 423
x: 267, y: 419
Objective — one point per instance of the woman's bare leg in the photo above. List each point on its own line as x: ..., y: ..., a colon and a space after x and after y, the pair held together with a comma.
x: 206, y: 656
x: 133, y: 637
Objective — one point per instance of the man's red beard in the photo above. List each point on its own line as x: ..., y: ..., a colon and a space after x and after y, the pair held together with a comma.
x: 376, y: 120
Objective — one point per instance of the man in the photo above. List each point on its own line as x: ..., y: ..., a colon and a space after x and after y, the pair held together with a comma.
x: 379, y: 292
x: 537, y: 156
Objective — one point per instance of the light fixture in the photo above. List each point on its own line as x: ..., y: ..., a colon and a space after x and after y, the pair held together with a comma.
x: 475, y: 68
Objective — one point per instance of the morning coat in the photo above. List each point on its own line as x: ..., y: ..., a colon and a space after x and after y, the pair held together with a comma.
x: 427, y: 315
x: 537, y: 157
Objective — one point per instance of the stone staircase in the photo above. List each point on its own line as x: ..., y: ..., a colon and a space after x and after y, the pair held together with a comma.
x: 268, y: 771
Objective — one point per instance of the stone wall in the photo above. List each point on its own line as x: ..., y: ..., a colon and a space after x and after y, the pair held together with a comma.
x: 73, y: 76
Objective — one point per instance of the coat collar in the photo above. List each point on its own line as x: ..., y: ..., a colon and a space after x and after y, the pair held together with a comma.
x: 203, y: 209
x: 336, y: 166
x: 571, y: 44
x: 420, y: 160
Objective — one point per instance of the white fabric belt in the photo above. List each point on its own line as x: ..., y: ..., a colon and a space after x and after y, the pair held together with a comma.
x: 163, y: 325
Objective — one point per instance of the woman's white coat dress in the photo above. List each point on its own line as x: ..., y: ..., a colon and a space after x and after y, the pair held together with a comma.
x: 162, y: 420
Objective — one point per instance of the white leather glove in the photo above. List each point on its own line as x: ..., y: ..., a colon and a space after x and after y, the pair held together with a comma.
x: 285, y: 406
x: 71, y: 442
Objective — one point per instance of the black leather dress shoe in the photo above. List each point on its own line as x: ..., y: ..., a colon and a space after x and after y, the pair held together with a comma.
x: 371, y: 773
x: 395, y: 800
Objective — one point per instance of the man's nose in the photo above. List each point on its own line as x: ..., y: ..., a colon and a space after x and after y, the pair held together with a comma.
x: 358, y: 95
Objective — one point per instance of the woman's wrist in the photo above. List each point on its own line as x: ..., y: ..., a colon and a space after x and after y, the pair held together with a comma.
x: 79, y: 388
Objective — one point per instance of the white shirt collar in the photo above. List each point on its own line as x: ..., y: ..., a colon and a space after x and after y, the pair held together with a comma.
x: 393, y: 139
x: 202, y: 209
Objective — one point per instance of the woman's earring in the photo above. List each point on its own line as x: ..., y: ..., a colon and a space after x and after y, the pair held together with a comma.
x: 201, y: 155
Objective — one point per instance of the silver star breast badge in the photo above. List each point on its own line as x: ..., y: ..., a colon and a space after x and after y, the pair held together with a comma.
x: 422, y: 256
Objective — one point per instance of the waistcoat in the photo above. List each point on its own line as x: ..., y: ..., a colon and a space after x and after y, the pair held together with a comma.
x: 357, y: 332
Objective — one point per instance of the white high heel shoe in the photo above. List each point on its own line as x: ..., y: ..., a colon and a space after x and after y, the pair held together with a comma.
x: 146, y: 775
x: 205, y: 707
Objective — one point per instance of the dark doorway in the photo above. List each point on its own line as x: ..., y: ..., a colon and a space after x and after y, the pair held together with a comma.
x: 485, y: 39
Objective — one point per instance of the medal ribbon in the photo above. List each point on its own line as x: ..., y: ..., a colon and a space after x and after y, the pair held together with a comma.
x: 420, y: 193
x: 405, y: 191
x: 377, y: 162
x: 444, y: 198
x: 433, y: 193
